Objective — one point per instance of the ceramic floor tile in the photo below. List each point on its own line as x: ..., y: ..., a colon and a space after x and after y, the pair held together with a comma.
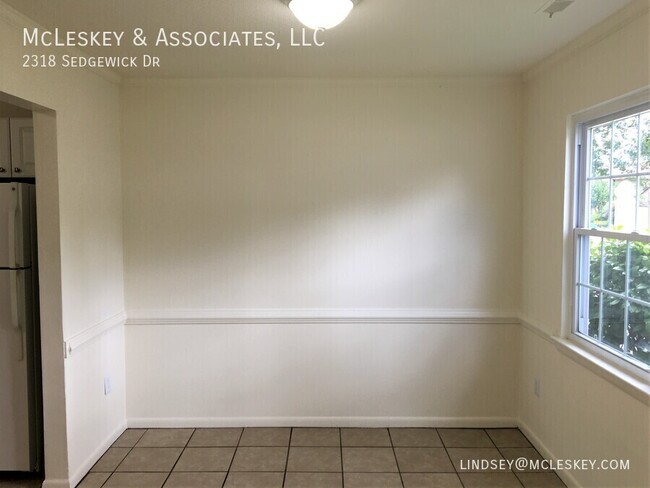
x: 129, y: 438
x: 415, y: 438
x: 465, y: 438
x: 215, y: 438
x: 365, y: 438
x: 540, y: 480
x: 149, y: 459
x: 464, y: 459
x: 136, y: 480
x: 165, y: 438
x: 490, y: 480
x: 197, y: 459
x: 92, y: 480
x: 313, y: 480
x: 528, y: 453
x: 372, y: 480
x: 423, y: 460
x: 431, y: 480
x: 260, y: 459
x: 315, y: 437
x: 195, y: 480
x: 315, y: 459
x: 265, y: 437
x: 369, y: 460
x: 508, y: 438
x: 254, y: 480
x: 110, y: 460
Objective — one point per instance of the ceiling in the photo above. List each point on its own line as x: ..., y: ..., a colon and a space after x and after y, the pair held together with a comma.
x: 380, y: 38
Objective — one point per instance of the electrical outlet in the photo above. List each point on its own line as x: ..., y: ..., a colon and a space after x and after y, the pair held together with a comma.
x: 537, y: 387
x: 107, y: 385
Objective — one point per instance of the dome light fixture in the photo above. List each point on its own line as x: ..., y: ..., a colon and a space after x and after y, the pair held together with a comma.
x: 321, y: 14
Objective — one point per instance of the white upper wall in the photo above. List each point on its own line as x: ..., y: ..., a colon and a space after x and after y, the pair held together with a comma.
x: 322, y: 194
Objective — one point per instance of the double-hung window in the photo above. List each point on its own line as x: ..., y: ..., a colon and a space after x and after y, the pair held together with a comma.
x: 612, y: 235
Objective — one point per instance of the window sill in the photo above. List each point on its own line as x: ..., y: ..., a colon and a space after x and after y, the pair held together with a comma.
x: 636, y: 387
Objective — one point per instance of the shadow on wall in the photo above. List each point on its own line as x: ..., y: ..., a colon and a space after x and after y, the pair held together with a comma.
x: 359, y: 198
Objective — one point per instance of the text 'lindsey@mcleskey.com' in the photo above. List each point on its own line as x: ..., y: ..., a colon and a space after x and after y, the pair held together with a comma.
x: 528, y: 464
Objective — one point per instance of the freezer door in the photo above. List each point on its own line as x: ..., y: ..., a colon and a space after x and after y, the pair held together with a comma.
x: 15, y: 234
x: 15, y: 318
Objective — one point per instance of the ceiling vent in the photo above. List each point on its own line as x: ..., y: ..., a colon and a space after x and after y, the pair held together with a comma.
x: 555, y: 6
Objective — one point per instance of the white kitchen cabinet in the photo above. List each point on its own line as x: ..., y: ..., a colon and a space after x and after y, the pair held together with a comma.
x: 22, y: 147
x: 5, y: 152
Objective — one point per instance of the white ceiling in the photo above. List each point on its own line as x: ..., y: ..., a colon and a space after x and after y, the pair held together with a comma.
x: 381, y: 38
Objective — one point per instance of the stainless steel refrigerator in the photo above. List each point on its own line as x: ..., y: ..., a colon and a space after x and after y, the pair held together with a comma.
x: 20, y: 443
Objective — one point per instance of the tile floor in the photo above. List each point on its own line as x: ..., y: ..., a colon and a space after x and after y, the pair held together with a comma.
x: 313, y: 458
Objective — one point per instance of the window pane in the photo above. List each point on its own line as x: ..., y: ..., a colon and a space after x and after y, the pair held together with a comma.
x: 644, y: 163
x: 643, y: 210
x: 613, y: 321
x: 599, y: 198
x: 626, y: 145
x: 640, y: 271
x: 615, y: 252
x: 601, y: 149
x: 595, y: 253
x: 594, y: 313
x: 624, y: 204
x: 638, y: 339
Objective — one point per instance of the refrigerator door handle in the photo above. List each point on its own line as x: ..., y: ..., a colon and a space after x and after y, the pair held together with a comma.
x: 11, y: 229
x: 15, y: 311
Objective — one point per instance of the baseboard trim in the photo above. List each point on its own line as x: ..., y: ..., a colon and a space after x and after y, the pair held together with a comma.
x: 566, y: 476
x: 83, y: 470
x: 215, y: 422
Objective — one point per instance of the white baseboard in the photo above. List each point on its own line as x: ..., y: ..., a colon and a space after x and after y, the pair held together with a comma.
x: 83, y: 470
x: 214, y: 422
x: 566, y: 476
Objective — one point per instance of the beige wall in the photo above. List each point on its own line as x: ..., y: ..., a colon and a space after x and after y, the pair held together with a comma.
x: 83, y: 283
x: 322, y: 194
x: 578, y: 415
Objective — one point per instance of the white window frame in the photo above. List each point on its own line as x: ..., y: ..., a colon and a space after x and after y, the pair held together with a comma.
x: 577, y: 157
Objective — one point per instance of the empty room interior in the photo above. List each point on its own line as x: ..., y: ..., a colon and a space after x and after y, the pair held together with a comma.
x: 325, y: 243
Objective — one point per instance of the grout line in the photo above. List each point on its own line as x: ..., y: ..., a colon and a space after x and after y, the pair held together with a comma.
x: 341, y: 451
x: 179, y: 457
x: 392, y: 445
x: 241, y: 434
x: 444, y: 446
x: 286, y: 464
x: 120, y: 463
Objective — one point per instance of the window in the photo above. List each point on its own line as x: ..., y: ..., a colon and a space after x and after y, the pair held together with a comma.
x: 612, y: 235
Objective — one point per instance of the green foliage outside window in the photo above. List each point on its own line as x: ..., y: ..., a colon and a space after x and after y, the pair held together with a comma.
x: 613, y: 308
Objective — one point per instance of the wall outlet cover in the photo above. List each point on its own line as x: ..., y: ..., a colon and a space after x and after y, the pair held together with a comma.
x: 107, y: 385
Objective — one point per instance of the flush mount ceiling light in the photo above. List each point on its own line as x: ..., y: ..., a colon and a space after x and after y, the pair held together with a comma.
x: 321, y: 14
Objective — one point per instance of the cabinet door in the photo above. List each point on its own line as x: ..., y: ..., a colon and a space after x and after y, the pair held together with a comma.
x: 5, y: 152
x: 22, y: 147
